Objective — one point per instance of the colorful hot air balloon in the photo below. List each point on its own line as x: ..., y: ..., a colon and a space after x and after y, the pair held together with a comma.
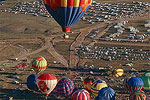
x: 96, y: 86
x: 81, y: 95
x: 126, y: 80
x: 31, y: 82
x: 46, y: 83
x: 67, y: 12
x: 64, y: 87
x: 138, y: 95
x: 135, y: 84
x: 146, y: 79
x: 39, y: 64
x: 88, y: 82
x: 115, y: 73
x: 106, y: 92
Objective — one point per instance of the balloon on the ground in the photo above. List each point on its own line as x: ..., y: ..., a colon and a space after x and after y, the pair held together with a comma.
x: 96, y: 86
x: 39, y: 64
x: 126, y: 81
x: 138, y: 95
x: 67, y: 12
x: 32, y: 82
x: 64, y: 87
x: 146, y: 79
x: 46, y: 83
x: 81, y: 95
x: 116, y: 73
x: 88, y: 82
x: 106, y: 92
x: 135, y: 84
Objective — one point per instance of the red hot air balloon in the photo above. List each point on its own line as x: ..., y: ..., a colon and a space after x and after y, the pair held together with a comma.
x: 67, y: 12
x: 46, y: 83
x: 81, y: 95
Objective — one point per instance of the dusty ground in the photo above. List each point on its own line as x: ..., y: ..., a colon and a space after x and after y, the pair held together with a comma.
x: 15, y: 42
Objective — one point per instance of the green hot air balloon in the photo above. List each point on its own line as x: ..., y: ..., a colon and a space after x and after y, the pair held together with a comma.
x: 39, y: 64
x: 146, y: 79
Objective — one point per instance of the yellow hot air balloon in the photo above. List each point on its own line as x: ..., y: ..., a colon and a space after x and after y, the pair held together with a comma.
x: 96, y: 86
x: 116, y: 73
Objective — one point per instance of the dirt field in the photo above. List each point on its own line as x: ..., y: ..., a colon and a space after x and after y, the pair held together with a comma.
x: 26, y: 36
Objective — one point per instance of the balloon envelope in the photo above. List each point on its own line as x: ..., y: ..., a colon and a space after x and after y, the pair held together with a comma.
x: 146, y: 79
x: 88, y: 82
x: 39, y: 64
x: 67, y: 12
x: 46, y: 83
x: 106, y: 92
x: 65, y: 87
x: 31, y: 82
x: 135, y: 84
x: 96, y: 86
x: 81, y: 95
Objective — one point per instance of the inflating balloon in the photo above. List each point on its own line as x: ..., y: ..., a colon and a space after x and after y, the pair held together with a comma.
x: 39, y: 64
x: 64, y: 87
x: 31, y: 82
x: 96, y: 86
x: 88, y: 82
x: 81, y: 95
x: 46, y: 83
x: 67, y: 12
x: 146, y: 79
x: 106, y: 92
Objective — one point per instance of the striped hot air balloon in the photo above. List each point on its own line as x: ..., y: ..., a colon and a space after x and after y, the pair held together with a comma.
x: 64, y: 87
x: 67, y: 12
x: 81, y: 95
x: 138, y: 95
x: 96, y: 86
x: 46, y: 83
x: 106, y: 92
x: 88, y: 82
x: 135, y: 84
x: 39, y: 64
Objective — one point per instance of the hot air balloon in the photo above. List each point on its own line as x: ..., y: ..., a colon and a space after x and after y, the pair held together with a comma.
x: 67, y: 12
x: 31, y: 82
x: 146, y: 79
x: 126, y: 80
x: 64, y: 87
x: 135, y: 84
x: 96, y: 86
x: 115, y: 73
x: 81, y: 95
x: 138, y: 95
x: 39, y: 64
x: 88, y: 82
x: 46, y: 83
x: 106, y: 92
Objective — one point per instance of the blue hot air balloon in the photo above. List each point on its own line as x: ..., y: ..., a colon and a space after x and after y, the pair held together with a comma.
x: 64, y: 87
x: 106, y: 93
x: 135, y: 84
x: 67, y: 12
x: 31, y: 82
